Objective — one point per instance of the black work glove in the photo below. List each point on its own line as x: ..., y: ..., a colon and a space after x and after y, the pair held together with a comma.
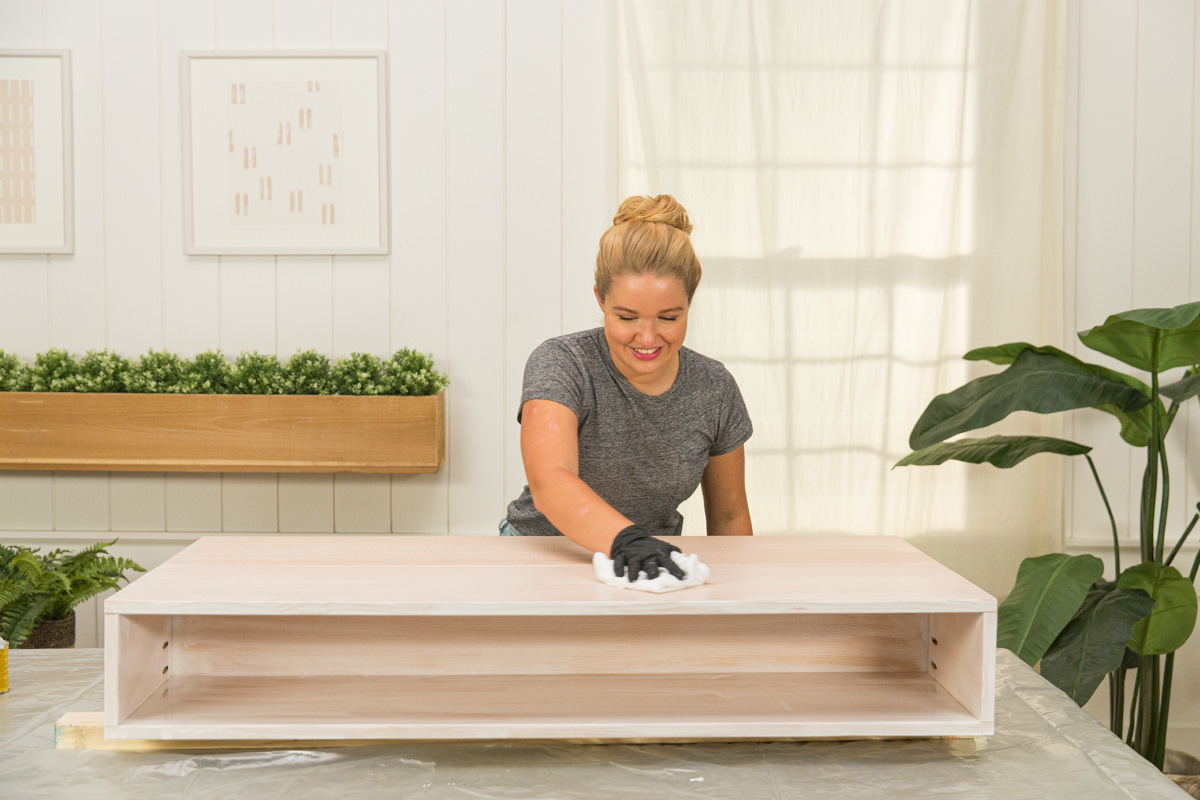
x: 638, y: 551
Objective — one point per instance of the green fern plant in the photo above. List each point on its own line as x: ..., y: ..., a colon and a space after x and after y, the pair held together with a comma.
x: 34, y: 587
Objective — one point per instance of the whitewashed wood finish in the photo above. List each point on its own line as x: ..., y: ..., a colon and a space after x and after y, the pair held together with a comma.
x: 828, y: 636
x: 436, y: 576
x: 459, y: 645
x: 722, y: 706
x: 148, y: 640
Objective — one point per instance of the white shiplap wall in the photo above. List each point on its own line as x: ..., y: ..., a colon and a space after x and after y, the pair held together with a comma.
x: 1131, y: 242
x: 503, y: 164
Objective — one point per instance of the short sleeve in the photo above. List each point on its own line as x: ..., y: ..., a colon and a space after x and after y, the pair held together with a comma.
x: 733, y: 427
x: 554, y: 372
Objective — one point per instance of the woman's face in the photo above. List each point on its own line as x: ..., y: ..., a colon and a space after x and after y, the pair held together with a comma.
x: 645, y: 320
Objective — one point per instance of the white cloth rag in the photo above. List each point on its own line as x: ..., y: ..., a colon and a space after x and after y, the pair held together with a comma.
x: 695, y: 573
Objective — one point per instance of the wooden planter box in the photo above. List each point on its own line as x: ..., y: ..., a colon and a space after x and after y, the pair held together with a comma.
x: 327, y: 638
x: 221, y: 433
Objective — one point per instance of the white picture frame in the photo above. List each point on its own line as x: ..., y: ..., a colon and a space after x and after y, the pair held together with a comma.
x: 285, y: 153
x: 36, y: 174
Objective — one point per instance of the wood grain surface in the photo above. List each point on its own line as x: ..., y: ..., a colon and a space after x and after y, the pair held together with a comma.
x: 221, y: 433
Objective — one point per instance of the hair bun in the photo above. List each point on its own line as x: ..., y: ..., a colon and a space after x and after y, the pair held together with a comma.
x: 663, y: 208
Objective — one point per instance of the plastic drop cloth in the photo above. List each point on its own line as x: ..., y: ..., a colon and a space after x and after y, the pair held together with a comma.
x: 1044, y: 747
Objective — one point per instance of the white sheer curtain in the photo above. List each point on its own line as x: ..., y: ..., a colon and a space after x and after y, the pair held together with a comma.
x: 876, y: 189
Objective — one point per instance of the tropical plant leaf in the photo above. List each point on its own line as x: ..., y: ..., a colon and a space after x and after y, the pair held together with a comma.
x: 1042, y: 383
x: 1048, y: 591
x: 1136, y: 426
x: 1093, y: 643
x: 1182, y: 390
x: 999, y: 451
x: 1152, y: 339
x: 1174, y: 616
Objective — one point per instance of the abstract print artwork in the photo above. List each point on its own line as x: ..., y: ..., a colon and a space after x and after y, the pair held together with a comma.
x: 17, y: 187
x: 35, y: 175
x: 286, y: 153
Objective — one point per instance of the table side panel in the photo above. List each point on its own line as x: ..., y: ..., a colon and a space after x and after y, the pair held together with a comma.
x: 136, y: 663
x: 965, y: 655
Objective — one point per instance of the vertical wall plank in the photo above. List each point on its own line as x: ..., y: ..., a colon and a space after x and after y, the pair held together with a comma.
x: 1107, y: 110
x: 362, y: 504
x: 25, y: 302
x: 533, y: 202
x: 26, y: 501
x: 418, y: 286
x: 25, y: 306
x: 133, y: 219
x: 361, y: 283
x: 589, y: 148
x: 304, y: 284
x: 77, y: 281
x: 475, y: 262
x: 360, y: 292
x: 1162, y: 188
x: 246, y: 288
x: 191, y: 313
x: 306, y: 503
x: 246, y: 284
x: 81, y: 501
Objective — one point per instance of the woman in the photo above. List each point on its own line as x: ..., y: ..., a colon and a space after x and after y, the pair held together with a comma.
x: 619, y: 424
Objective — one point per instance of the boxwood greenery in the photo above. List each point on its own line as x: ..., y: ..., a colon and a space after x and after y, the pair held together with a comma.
x: 160, y: 372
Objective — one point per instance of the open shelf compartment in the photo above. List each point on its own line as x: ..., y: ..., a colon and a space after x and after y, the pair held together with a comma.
x: 264, y: 638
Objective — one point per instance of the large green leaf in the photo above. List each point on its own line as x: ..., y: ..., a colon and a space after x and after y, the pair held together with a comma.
x: 1039, y: 382
x: 999, y: 451
x: 1093, y: 643
x: 1153, y: 339
x: 1182, y: 390
x: 1174, y: 616
x: 1136, y: 426
x: 1048, y: 591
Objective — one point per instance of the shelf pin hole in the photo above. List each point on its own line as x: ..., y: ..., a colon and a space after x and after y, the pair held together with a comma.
x: 931, y: 663
x: 165, y: 670
x: 934, y: 641
x: 167, y: 643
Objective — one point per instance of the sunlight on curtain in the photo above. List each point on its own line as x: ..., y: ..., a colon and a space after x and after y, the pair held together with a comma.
x: 875, y: 189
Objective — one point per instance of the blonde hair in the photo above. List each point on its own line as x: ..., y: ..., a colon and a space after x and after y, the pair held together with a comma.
x: 649, y: 235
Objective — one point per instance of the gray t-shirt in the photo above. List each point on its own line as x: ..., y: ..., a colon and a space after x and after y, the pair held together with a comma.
x: 643, y: 454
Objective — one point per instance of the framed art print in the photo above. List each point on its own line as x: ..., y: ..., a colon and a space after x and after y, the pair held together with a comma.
x: 36, y: 206
x: 285, y: 153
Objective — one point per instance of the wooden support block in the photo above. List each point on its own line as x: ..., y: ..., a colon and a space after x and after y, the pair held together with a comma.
x: 84, y: 730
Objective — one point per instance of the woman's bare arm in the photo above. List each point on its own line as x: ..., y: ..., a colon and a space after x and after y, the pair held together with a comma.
x: 724, y: 486
x: 550, y: 450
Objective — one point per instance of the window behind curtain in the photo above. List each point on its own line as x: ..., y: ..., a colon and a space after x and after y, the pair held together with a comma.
x: 875, y: 189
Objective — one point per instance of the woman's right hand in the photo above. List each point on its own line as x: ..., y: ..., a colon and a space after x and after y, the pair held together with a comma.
x: 637, y: 551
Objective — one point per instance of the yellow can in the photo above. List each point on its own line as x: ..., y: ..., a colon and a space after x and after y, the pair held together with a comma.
x: 3, y: 666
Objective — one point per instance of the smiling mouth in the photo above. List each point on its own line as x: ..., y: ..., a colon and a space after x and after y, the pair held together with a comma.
x: 646, y: 353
